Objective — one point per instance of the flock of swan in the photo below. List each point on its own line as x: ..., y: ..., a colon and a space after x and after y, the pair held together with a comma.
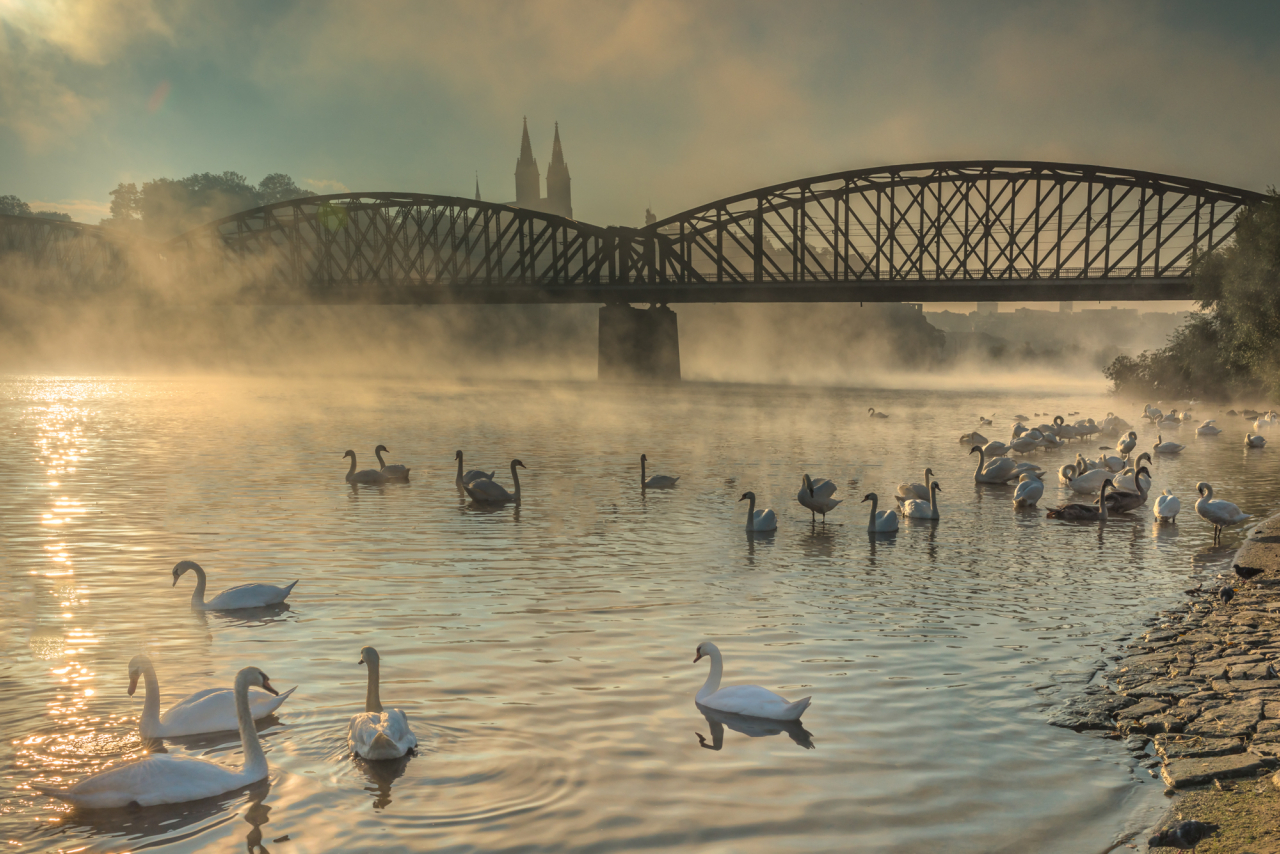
x: 1120, y: 481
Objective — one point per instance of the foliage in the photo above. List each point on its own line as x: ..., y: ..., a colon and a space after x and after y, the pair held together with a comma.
x: 166, y: 207
x: 14, y: 206
x: 58, y: 215
x: 1231, y: 346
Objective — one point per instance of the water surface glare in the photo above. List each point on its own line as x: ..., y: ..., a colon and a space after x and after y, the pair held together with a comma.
x: 544, y: 653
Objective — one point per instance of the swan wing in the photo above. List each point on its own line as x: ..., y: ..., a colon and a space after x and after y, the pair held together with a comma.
x: 395, y: 471
x: 214, y: 710
x: 823, y: 488
x: 661, y: 481
x: 248, y: 596
x: 756, y: 702
x: 161, y: 778
x: 764, y: 520
x: 381, y: 735
x: 486, y: 490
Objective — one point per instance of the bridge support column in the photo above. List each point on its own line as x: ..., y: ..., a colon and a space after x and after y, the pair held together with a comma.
x: 638, y: 344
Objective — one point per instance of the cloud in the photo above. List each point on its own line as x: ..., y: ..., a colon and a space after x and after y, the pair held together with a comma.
x: 325, y: 186
x: 81, y: 210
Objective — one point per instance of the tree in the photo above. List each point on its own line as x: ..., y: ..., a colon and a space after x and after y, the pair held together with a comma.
x: 14, y: 206
x: 58, y: 215
x: 278, y: 187
x: 170, y: 207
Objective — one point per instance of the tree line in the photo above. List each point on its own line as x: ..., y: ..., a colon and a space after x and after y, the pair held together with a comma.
x: 166, y: 206
x: 1230, y: 347
x: 14, y: 206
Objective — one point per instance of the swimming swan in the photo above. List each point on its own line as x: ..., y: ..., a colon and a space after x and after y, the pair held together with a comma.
x: 473, y: 475
x: 907, y: 491
x: 244, y: 596
x: 758, y: 520
x: 1083, y: 512
x: 486, y: 491
x: 750, y: 700
x: 1254, y: 441
x: 1000, y: 470
x: 916, y: 509
x: 883, y: 521
x: 1163, y: 447
x: 374, y: 733
x: 210, y: 710
x: 1030, y: 490
x: 658, y: 481
x: 1122, y: 501
x: 875, y: 414
x: 372, y: 476
x: 816, y: 496
x: 1167, y: 507
x: 392, y: 472
x: 1207, y: 429
x: 1221, y: 514
x: 167, y: 778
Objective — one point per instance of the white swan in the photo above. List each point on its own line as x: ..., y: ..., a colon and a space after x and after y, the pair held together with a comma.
x: 1163, y: 447
x: 917, y: 509
x: 816, y: 496
x: 1252, y: 440
x: 1167, y: 507
x: 974, y: 438
x: 210, y: 710
x: 1207, y: 429
x: 1030, y: 490
x: 875, y: 414
x: 244, y: 596
x: 374, y: 733
x: 1000, y: 470
x: 758, y: 520
x: 473, y: 475
x: 1221, y: 514
x: 658, y: 481
x: 882, y: 521
x: 1090, y: 482
x: 1127, y: 443
x: 372, y: 476
x: 392, y: 472
x: 908, y: 491
x: 166, y: 778
x: 1027, y: 442
x: 1127, y: 479
x: 995, y: 449
x: 1111, y: 462
x: 750, y: 700
x: 486, y: 491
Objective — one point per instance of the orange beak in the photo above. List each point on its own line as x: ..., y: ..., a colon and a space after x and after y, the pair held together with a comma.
x: 266, y: 686
x: 697, y: 657
x: 133, y: 684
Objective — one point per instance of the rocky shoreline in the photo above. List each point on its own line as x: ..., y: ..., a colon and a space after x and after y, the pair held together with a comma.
x: 1196, y: 697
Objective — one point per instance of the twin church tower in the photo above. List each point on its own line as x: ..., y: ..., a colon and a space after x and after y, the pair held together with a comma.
x: 529, y: 181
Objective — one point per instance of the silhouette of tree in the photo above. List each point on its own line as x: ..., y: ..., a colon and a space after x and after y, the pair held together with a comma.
x: 14, y: 206
x: 278, y: 187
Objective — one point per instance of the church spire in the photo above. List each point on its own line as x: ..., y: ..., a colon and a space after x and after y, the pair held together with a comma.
x: 557, y: 154
x: 526, y: 149
x: 477, y: 186
x: 528, y: 179
x: 559, y: 198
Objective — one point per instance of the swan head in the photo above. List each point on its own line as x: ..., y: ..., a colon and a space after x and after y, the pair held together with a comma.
x: 808, y: 484
x: 871, y: 409
x: 351, y: 454
x: 1143, y: 470
x: 382, y: 448
x: 643, y: 458
x: 1059, y: 420
x: 935, y: 486
x: 253, y: 677
x: 1143, y: 456
x: 1203, y: 487
x: 138, y: 665
x: 515, y: 464
x: 457, y: 455
x: 182, y: 566
x: 705, y: 648
x: 975, y: 449
x: 369, y: 656
x: 748, y: 495
x: 870, y: 496
x: 928, y: 472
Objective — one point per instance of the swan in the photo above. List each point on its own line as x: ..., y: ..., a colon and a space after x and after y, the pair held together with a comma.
x: 1127, y: 443
x: 392, y: 472
x: 1063, y: 430
x: 244, y: 596
x: 974, y: 438
x: 1252, y: 440
x: 374, y: 733
x: 1090, y: 482
x: 1083, y: 512
x: 1125, y: 479
x: 916, y: 509
x: 1111, y: 462
x: 750, y: 700
x: 1122, y: 501
x: 816, y: 496
x: 999, y: 470
x: 1167, y: 507
x: 166, y: 778
x: 1066, y: 473
x: 487, y: 491
x: 1163, y: 447
x: 875, y: 414
x: 210, y: 710
x: 471, y: 476
x: 1152, y: 414
x: 758, y: 520
x: 658, y: 481
x: 1051, y: 440
x: 995, y: 449
x: 1207, y: 429
x: 366, y: 476
x: 1221, y: 514
x: 882, y: 522
x: 984, y: 421
x: 1030, y: 490
x: 1027, y: 442
x: 907, y: 491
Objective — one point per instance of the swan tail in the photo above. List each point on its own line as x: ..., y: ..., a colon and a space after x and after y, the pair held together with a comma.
x: 289, y: 590
x: 45, y: 790
x: 794, y: 710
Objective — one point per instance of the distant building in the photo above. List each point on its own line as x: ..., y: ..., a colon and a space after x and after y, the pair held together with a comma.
x: 650, y: 217
x: 559, y: 198
x: 988, y: 308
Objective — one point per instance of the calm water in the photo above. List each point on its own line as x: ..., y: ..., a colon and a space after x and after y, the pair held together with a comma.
x: 543, y: 653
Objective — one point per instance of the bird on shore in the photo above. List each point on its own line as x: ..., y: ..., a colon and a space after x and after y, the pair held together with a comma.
x: 1247, y: 573
x: 1184, y: 836
x: 1226, y: 594
x: 1221, y: 514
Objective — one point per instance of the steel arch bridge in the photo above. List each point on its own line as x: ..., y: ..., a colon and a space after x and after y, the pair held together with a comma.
x: 946, y: 231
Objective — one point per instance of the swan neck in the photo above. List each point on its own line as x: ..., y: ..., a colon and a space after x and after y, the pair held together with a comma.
x: 458, y: 480
x: 712, y: 684
x: 377, y: 452
x: 197, y: 595
x: 933, y: 497
x: 981, y: 459
x: 515, y: 478
x: 352, y: 470
x: 255, y: 761
x: 372, y: 700
x: 751, y: 518
x: 871, y: 525
x: 149, y: 726
x: 642, y: 478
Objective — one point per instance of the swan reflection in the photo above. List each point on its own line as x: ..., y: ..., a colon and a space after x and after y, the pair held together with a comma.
x: 381, y: 773
x: 750, y: 727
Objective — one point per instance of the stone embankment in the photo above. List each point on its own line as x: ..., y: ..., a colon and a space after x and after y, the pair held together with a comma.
x: 1197, y: 696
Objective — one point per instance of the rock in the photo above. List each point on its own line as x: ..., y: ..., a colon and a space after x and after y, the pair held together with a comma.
x: 1175, y: 688
x: 1254, y: 670
x: 1157, y: 724
x: 1149, y: 706
x: 1236, y: 719
x: 1089, y: 711
x: 1184, y: 746
x: 1136, y: 743
x: 1211, y: 670
x: 1180, y: 773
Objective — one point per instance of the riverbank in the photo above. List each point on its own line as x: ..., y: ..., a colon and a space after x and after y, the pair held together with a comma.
x: 1196, y: 699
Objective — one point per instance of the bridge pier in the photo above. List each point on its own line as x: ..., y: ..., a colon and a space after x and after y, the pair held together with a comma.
x: 638, y: 344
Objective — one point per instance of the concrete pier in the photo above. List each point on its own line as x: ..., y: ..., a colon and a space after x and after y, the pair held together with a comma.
x: 638, y: 344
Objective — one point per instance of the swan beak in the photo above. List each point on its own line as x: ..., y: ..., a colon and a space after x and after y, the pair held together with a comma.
x: 266, y: 686
x: 361, y: 661
x: 133, y: 683
x: 175, y: 582
x: 697, y: 657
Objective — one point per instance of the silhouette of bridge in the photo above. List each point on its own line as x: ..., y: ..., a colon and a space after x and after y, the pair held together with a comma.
x: 927, y: 232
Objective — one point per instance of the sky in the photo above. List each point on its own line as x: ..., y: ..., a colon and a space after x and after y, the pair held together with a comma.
x: 660, y: 103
